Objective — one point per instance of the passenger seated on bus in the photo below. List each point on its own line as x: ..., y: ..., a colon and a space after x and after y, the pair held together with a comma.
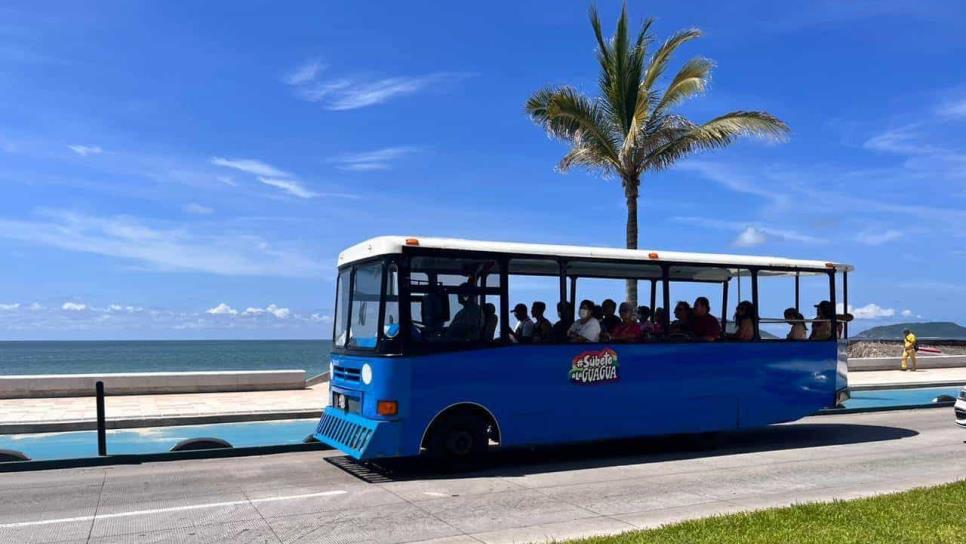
x: 608, y: 320
x: 822, y: 326
x: 644, y: 318
x: 629, y: 330
x: 541, y: 325
x: 682, y: 319
x: 660, y: 318
x: 467, y: 324
x: 490, y: 321
x: 799, y: 330
x: 586, y: 328
x: 558, y: 333
x: 745, y: 319
x: 702, y: 324
x: 523, y: 332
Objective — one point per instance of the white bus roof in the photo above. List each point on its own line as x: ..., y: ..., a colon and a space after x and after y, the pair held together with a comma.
x: 389, y: 245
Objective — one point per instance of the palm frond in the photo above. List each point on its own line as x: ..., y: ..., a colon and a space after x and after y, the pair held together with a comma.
x: 567, y: 115
x: 690, y: 80
x: 717, y: 133
x: 659, y: 61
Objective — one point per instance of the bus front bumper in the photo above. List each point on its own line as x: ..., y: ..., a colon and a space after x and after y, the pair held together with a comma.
x: 357, y: 436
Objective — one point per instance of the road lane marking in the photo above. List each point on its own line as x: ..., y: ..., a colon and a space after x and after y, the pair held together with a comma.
x: 171, y: 509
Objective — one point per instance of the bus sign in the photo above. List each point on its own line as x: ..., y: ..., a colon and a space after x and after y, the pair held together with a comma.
x: 592, y: 367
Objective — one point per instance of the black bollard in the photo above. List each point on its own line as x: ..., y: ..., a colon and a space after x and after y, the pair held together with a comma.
x: 101, y: 426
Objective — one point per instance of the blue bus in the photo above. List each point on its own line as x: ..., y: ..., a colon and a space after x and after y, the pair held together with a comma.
x: 425, y: 360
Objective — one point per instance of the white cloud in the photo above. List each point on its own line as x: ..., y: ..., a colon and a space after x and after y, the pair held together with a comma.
x: 85, y: 150
x: 126, y: 309
x: 279, y: 312
x: 197, y: 209
x: 222, y: 309
x: 305, y: 73
x: 35, y: 307
x: 291, y: 187
x: 9, y: 307
x: 869, y: 311
x: 227, y: 180
x: 73, y: 307
x: 906, y: 313
x: 750, y: 237
x: 164, y: 249
x: 352, y: 93
x: 875, y: 238
x: 251, y: 166
x: 955, y: 109
x: 378, y: 159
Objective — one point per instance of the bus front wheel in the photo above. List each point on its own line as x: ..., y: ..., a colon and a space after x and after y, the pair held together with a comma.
x: 459, y: 437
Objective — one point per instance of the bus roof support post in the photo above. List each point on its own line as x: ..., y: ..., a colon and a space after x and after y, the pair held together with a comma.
x: 653, y: 296
x: 797, y: 298
x: 562, y: 274
x: 724, y: 307
x: 834, y: 326
x: 754, y: 301
x: 666, y: 281
x: 845, y: 301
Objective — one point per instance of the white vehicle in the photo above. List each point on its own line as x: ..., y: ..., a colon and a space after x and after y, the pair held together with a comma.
x: 960, y: 408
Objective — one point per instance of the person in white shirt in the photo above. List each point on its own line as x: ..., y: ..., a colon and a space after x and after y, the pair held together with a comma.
x: 523, y: 332
x: 586, y: 328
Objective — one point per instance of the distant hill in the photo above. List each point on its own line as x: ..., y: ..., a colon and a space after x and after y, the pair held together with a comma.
x: 937, y: 329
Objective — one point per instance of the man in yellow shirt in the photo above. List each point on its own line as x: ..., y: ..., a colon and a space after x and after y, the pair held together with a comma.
x: 909, y: 347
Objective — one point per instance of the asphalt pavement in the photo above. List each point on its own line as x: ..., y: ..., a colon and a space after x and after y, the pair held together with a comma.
x: 518, y: 496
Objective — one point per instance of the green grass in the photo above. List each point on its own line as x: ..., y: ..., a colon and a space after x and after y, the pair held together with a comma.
x: 933, y: 514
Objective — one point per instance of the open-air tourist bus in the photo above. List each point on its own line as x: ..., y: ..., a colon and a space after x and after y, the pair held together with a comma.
x: 424, y: 358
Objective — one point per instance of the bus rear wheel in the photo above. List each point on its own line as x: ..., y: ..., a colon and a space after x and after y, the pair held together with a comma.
x: 459, y: 438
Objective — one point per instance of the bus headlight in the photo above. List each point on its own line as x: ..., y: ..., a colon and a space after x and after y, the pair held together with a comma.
x: 366, y: 374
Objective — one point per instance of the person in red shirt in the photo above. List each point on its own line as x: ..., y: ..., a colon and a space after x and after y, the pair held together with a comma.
x: 629, y: 330
x: 702, y: 324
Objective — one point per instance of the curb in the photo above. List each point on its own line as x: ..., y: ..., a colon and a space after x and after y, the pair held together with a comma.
x: 160, y: 421
x: 137, y: 459
x: 836, y: 411
x: 907, y: 385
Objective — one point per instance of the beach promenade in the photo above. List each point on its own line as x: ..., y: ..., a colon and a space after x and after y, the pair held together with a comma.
x: 79, y: 413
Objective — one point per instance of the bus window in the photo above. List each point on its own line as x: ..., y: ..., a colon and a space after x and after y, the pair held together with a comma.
x: 535, y: 283
x: 687, y: 285
x: 454, y: 300
x: 364, y: 326
x: 342, y: 308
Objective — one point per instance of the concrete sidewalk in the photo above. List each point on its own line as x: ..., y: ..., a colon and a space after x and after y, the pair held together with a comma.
x: 80, y: 413
x: 897, y: 379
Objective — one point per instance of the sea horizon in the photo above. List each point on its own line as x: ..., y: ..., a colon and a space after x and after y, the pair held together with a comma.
x: 33, y: 357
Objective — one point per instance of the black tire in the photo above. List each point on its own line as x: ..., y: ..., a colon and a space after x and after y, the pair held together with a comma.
x: 458, y: 439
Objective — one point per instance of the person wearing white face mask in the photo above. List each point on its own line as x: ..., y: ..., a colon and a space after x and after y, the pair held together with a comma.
x: 586, y: 328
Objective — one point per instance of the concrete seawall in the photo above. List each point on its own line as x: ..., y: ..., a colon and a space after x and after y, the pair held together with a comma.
x: 893, y: 363
x: 149, y: 383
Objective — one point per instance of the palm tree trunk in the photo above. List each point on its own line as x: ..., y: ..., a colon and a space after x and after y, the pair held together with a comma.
x: 630, y: 193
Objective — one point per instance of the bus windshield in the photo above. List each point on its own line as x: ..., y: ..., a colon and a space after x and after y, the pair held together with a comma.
x: 357, y: 307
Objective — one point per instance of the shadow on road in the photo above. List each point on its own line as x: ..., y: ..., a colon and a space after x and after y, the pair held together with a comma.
x: 543, y: 459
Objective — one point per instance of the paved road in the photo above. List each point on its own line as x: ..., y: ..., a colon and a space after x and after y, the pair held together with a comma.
x: 518, y: 497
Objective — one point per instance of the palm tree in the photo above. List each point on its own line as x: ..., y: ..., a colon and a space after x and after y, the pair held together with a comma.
x: 631, y: 128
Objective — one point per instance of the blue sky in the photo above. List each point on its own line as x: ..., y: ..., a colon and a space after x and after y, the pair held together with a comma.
x: 191, y: 170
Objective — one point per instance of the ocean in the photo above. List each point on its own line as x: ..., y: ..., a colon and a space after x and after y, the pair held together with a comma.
x: 70, y: 357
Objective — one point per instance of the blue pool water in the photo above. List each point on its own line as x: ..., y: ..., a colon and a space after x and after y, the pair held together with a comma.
x: 898, y: 397
x: 45, y: 446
